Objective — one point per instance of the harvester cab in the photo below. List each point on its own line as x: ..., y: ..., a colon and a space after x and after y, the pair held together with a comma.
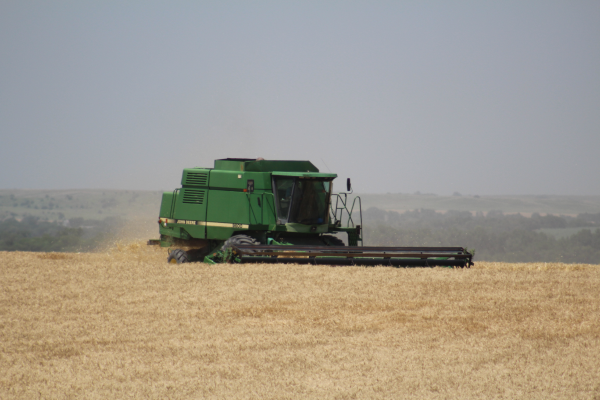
x: 272, y: 211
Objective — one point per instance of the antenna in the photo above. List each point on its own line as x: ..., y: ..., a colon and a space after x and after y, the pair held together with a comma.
x: 326, y: 165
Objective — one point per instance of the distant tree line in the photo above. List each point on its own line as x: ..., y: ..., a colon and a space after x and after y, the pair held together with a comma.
x: 35, y: 234
x: 494, y: 236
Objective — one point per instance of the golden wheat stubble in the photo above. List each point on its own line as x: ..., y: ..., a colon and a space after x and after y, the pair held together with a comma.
x: 124, y: 323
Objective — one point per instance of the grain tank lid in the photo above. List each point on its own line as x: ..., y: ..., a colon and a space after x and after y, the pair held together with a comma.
x: 232, y: 164
x: 261, y: 165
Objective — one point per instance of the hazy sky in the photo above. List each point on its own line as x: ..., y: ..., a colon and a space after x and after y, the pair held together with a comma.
x: 402, y: 96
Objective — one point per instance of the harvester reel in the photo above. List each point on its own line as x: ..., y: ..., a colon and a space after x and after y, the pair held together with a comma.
x: 177, y: 256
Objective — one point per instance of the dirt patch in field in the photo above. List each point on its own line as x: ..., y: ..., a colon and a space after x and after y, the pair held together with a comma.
x: 124, y: 323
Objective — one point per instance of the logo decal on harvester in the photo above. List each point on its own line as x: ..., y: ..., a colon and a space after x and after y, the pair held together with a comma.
x: 213, y: 224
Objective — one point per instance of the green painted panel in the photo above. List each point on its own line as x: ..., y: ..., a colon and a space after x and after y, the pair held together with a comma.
x: 255, y: 205
x: 232, y: 164
x: 219, y: 233
x: 239, y: 180
x: 228, y: 207
x: 191, y: 205
x: 165, y: 205
x: 268, y: 206
x: 301, y: 228
x: 195, y: 177
x: 168, y: 231
x: 195, y: 231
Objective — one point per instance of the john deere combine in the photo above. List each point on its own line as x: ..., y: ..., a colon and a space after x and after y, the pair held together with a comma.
x: 266, y: 211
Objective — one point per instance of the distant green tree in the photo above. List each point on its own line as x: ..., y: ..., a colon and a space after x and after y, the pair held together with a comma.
x: 495, y: 236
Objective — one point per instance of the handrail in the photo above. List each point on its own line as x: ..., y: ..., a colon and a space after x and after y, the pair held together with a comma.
x: 359, y: 208
x: 172, y: 211
x: 250, y: 210
x: 341, y: 205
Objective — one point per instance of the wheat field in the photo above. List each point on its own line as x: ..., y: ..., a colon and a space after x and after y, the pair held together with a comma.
x: 123, y: 323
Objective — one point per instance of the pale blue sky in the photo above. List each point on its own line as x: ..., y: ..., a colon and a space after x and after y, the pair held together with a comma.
x: 469, y: 96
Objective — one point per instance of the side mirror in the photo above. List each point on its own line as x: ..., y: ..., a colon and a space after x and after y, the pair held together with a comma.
x: 348, y: 185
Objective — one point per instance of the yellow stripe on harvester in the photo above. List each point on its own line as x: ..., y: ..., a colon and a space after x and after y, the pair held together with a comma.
x: 204, y: 223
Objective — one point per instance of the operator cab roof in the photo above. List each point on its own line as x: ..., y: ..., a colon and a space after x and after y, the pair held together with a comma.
x: 276, y: 167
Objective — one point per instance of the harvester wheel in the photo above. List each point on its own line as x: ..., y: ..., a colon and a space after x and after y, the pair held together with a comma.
x: 177, y: 256
x: 238, y: 239
x: 331, y: 240
x: 228, y: 255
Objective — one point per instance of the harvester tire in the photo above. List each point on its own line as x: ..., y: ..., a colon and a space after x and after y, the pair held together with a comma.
x: 331, y: 240
x: 177, y: 256
x: 239, y: 239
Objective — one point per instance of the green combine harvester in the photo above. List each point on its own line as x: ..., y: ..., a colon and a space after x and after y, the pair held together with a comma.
x: 267, y: 211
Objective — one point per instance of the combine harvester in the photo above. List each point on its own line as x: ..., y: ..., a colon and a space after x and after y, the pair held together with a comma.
x: 266, y: 211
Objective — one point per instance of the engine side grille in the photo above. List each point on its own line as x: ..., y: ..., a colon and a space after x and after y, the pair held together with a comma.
x: 196, y: 178
x: 193, y: 196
